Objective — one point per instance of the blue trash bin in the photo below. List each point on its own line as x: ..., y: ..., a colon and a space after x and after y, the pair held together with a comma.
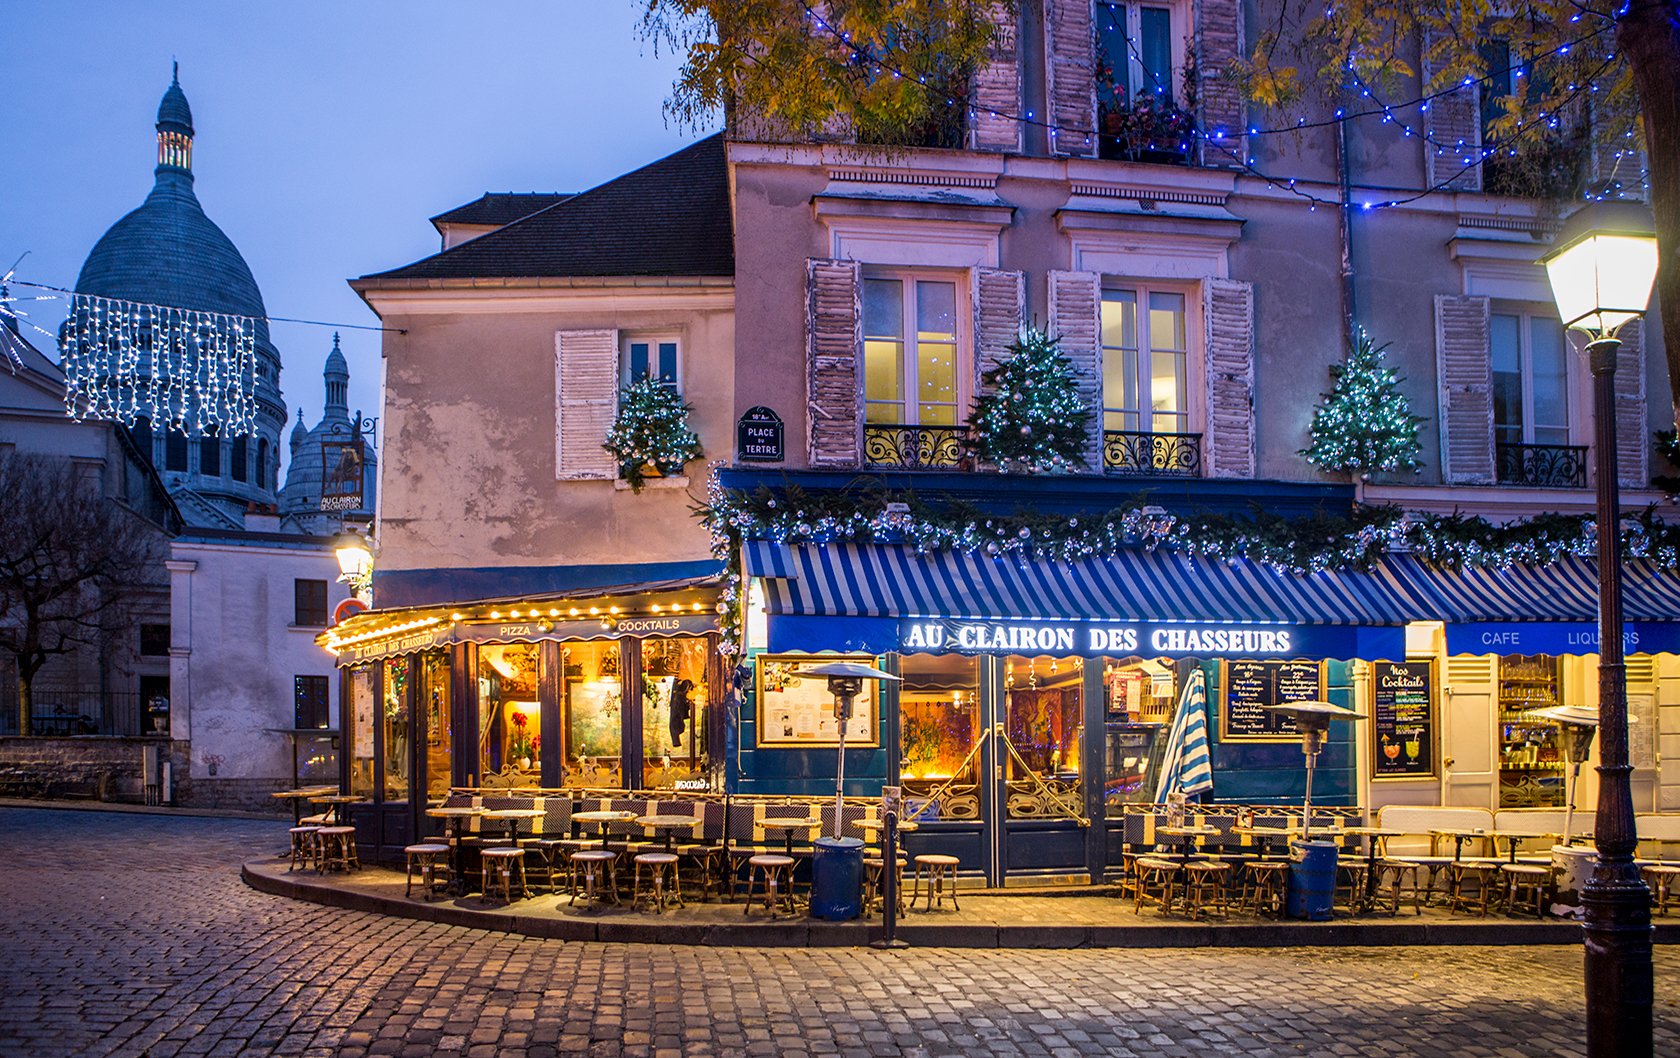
x: 1312, y: 880
x: 837, y: 879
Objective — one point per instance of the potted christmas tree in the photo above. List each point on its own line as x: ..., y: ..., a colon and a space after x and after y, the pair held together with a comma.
x: 651, y: 436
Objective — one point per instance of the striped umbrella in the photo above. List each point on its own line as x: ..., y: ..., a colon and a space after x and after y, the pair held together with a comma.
x: 1187, y: 767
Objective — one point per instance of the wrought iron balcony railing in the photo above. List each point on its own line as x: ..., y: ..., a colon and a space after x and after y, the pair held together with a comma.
x: 916, y: 447
x: 1547, y: 466
x: 1128, y: 452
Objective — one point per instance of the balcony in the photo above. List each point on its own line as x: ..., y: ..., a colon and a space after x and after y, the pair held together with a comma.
x: 1542, y: 466
x: 916, y: 447
x: 1174, y: 454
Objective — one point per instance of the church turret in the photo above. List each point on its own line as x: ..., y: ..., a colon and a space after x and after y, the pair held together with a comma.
x: 337, y: 376
x: 300, y: 432
x: 175, y: 129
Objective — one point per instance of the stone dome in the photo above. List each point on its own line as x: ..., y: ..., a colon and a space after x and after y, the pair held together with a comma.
x: 174, y: 111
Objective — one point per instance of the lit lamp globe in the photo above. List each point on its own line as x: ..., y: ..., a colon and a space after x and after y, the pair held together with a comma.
x: 1603, y: 266
x: 355, y: 558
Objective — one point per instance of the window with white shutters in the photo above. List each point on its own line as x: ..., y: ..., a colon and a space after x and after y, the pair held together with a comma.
x: 585, y: 403
x: 1228, y: 441
x: 834, y: 342
x: 1465, y: 384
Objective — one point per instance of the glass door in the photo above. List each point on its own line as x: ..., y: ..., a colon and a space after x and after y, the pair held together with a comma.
x: 1040, y: 731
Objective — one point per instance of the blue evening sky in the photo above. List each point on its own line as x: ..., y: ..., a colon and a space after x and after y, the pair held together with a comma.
x: 327, y: 132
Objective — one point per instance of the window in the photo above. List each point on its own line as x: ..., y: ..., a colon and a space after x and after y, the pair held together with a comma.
x: 1530, y: 379
x: 141, y: 434
x: 1144, y: 361
x: 655, y: 355
x: 591, y: 715
x: 911, y: 374
x: 310, y: 597
x: 1139, y: 63
x: 154, y: 640
x: 239, y: 456
x: 673, y: 712
x: 510, y: 712
x: 435, y: 699
x: 1538, y: 162
x: 939, y: 734
x: 174, y: 450
x: 262, y: 463
x: 395, y: 729
x: 309, y: 702
x: 210, y: 455
x: 361, y: 729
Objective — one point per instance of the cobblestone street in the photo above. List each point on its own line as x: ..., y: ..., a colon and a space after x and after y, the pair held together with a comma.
x: 132, y: 934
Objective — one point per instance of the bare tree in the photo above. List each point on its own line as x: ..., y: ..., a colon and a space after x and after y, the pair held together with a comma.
x: 71, y: 564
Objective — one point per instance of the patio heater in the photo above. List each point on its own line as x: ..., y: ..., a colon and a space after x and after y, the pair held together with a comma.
x: 1312, y: 718
x: 1579, y: 726
x: 845, y: 682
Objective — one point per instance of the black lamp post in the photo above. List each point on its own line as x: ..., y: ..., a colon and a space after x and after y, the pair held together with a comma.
x: 1601, y: 273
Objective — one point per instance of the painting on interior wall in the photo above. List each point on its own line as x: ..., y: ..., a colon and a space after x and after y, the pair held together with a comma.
x: 795, y: 710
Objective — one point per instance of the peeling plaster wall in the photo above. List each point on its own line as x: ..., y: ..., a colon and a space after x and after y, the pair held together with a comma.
x: 468, y: 468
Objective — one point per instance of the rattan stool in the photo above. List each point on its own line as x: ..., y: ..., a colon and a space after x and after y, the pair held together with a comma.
x: 304, y: 846
x: 941, y: 876
x: 599, y: 867
x: 1458, y: 873
x: 338, y: 849
x: 1659, y: 878
x: 1397, y: 876
x: 1351, y: 874
x: 660, y: 865
x: 1263, y: 886
x: 1155, y: 875
x: 1525, y: 887
x: 777, y: 872
x: 1204, y: 887
x: 500, y: 863
x: 425, y: 857
x: 874, y: 882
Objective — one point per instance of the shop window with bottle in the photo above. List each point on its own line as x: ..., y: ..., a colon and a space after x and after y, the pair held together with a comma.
x: 1531, y: 759
x: 509, y: 716
x: 395, y: 729
x: 435, y: 699
x: 1139, y: 696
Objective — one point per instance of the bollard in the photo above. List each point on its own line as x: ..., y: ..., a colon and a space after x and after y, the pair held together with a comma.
x: 889, y: 884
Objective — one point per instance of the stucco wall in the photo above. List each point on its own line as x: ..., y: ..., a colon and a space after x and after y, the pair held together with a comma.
x: 468, y: 470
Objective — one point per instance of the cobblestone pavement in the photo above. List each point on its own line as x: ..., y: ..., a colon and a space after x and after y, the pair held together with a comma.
x: 132, y: 935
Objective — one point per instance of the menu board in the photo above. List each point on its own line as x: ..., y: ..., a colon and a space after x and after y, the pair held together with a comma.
x: 1250, y: 686
x: 1402, y: 720
x: 796, y: 711
x: 1642, y: 731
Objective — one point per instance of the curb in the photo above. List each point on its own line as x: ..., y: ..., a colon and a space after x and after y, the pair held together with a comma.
x: 127, y: 808
x: 810, y: 933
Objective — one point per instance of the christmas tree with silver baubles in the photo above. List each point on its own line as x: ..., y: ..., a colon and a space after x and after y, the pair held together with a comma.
x: 1365, y: 423
x: 651, y: 435
x: 1031, y: 417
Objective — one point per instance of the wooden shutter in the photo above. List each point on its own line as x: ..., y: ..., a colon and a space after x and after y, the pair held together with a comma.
x: 585, y: 403
x: 1464, y: 363
x: 1228, y: 447
x: 1076, y: 318
x: 999, y: 306
x: 1452, y: 119
x: 997, y: 87
x: 1633, y: 432
x: 1219, y: 43
x: 834, y: 349
x: 1070, y: 54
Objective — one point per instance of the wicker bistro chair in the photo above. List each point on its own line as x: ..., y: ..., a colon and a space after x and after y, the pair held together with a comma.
x: 1401, y: 877
x: 702, y: 850
x: 1156, y: 880
x: 305, y: 846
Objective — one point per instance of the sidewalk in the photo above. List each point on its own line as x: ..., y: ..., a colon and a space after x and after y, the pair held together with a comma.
x: 1087, y: 917
x: 146, y: 810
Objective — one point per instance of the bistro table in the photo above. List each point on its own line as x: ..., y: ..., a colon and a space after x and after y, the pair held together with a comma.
x: 1460, y: 838
x: 669, y: 824
x: 512, y: 816
x: 788, y: 826
x: 1264, y: 834
x: 904, y: 826
x: 605, y: 818
x: 1189, y: 833
x: 457, y: 817
x: 297, y: 797
x: 1371, y: 836
x: 335, y: 803
x: 1516, y: 838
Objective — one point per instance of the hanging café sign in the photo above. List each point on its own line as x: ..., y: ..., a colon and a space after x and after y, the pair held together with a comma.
x: 1098, y: 638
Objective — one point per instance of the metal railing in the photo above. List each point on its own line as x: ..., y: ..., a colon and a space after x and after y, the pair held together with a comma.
x: 916, y: 447
x: 1545, y: 466
x: 1132, y: 452
x: 60, y: 713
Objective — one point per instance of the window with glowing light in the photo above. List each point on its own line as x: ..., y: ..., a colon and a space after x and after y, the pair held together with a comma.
x: 1139, y: 697
x: 362, y: 708
x: 912, y: 350
x: 509, y: 714
x: 1044, y: 721
x: 673, y: 711
x: 395, y: 729
x: 1145, y: 356
x: 939, y: 732
x: 434, y: 699
x: 591, y: 713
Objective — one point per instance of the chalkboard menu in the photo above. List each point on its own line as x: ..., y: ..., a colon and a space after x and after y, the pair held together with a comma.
x: 1402, y: 720
x: 1250, y: 686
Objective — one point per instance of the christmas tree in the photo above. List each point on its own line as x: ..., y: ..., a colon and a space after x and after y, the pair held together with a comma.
x: 651, y: 435
x: 1364, y: 424
x: 1032, y: 418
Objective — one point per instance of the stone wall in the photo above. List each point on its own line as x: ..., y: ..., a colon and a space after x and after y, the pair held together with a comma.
x: 246, y: 795
x: 105, y: 768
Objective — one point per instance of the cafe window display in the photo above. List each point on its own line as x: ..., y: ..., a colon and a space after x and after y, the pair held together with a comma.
x: 673, y: 718
x: 394, y: 733
x: 509, y: 715
x: 1531, y: 764
x: 940, y: 734
x: 361, y: 713
x: 1044, y: 721
x: 591, y: 712
x: 1139, y: 696
x: 434, y: 699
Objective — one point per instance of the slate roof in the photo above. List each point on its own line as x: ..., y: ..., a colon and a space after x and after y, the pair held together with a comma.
x: 669, y: 218
x: 497, y: 208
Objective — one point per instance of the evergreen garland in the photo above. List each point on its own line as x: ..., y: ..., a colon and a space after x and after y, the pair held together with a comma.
x: 1364, y: 425
x: 651, y: 431
x: 1031, y: 419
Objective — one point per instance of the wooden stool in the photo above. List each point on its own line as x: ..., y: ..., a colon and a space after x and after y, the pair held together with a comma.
x: 599, y: 868
x: 338, y: 849
x: 1460, y: 871
x: 1399, y: 875
x: 874, y: 882
x: 941, y: 875
x: 1157, y: 876
x: 1659, y: 878
x: 659, y: 865
x: 1525, y: 887
x: 500, y: 863
x: 304, y: 845
x: 1204, y: 887
x: 776, y: 871
x: 1351, y: 873
x: 425, y: 857
x: 1263, y: 886
x: 708, y: 863
x: 564, y: 848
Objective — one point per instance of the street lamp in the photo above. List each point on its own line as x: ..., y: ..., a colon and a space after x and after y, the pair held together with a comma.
x: 355, y: 561
x: 1601, y: 271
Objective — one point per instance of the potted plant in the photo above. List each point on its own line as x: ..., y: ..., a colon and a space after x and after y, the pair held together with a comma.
x: 651, y: 436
